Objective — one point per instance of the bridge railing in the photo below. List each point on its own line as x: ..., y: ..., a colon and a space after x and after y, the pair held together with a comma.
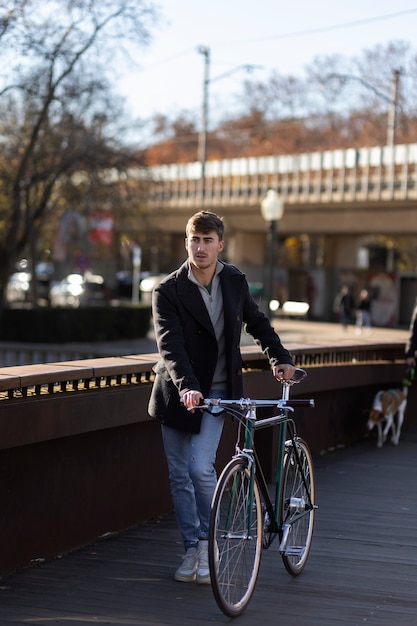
x: 351, y: 175
x: 80, y: 457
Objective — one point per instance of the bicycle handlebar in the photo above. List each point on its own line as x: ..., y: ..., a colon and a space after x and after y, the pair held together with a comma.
x: 247, y: 403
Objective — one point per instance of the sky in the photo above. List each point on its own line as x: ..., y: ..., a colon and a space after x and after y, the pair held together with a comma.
x: 168, y: 75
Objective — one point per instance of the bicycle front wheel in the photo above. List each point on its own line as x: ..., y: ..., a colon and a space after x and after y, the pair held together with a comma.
x: 235, y: 537
x: 297, y: 510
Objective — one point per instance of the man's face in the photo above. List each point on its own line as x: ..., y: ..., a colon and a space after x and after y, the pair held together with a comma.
x: 203, y: 249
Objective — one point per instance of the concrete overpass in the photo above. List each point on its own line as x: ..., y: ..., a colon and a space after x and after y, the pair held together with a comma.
x: 330, y: 192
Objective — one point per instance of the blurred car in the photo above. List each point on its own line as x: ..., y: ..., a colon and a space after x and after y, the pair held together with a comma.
x: 147, y: 285
x: 20, y: 288
x: 76, y: 290
x: 124, y: 283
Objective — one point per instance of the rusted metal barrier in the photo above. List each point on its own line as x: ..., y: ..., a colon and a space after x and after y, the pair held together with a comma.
x: 80, y: 458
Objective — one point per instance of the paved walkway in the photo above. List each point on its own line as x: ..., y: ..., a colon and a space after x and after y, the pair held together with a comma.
x: 290, y: 331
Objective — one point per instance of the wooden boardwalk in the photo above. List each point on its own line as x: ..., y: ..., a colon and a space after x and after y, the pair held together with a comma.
x: 362, y: 567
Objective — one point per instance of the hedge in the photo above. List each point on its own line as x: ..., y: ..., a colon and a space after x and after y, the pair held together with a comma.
x: 86, y: 324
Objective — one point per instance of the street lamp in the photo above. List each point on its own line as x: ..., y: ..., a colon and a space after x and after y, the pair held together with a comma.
x: 272, y: 210
x: 392, y: 99
x: 202, y: 136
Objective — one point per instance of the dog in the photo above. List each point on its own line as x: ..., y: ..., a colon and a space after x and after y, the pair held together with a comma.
x: 387, y: 414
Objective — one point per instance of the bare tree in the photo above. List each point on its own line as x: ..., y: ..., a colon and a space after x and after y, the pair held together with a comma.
x: 337, y: 102
x: 53, y: 94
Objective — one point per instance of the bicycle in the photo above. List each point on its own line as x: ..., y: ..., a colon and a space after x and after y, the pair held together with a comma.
x: 244, y: 518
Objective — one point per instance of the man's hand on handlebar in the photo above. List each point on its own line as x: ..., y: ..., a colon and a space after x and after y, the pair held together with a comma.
x: 192, y: 399
x: 283, y: 371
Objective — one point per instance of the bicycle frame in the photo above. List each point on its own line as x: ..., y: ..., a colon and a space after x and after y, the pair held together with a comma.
x: 272, y: 508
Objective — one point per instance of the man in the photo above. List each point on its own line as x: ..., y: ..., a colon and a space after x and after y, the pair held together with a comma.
x: 198, y: 313
x: 411, y: 346
x: 363, y: 311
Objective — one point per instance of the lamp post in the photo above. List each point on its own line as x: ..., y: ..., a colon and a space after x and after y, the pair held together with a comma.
x: 202, y: 137
x: 272, y: 210
x: 392, y: 99
x: 392, y: 111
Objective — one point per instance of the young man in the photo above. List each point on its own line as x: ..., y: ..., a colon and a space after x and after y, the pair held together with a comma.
x: 198, y: 313
x: 411, y: 346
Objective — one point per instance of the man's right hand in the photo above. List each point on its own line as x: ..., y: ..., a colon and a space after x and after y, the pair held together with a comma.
x: 191, y: 399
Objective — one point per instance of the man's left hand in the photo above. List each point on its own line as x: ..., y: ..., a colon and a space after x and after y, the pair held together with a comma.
x: 283, y: 371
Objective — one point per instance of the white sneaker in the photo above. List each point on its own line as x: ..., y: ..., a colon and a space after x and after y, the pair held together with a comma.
x: 186, y: 573
x: 203, y: 571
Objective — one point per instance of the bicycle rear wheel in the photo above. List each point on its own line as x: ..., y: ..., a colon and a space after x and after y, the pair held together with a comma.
x: 297, y: 512
x: 235, y: 538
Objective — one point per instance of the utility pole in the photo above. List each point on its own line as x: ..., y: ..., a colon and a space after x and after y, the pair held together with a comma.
x: 392, y: 111
x: 202, y: 136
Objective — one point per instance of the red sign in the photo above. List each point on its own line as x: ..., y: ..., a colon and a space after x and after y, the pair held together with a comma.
x: 101, y: 228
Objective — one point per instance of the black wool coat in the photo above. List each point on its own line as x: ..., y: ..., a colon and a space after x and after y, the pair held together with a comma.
x: 411, y: 346
x: 188, y: 347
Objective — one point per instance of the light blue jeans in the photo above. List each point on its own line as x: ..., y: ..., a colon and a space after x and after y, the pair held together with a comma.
x: 192, y: 475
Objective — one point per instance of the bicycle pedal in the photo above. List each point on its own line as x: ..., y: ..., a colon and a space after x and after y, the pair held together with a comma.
x: 294, y: 551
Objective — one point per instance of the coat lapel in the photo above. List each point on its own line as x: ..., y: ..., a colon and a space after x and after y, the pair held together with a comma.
x: 191, y: 299
x: 232, y: 283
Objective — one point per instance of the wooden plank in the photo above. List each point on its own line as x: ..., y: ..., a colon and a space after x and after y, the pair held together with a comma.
x: 362, y: 567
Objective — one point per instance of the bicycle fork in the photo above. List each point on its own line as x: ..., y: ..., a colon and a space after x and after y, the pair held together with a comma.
x: 297, y: 506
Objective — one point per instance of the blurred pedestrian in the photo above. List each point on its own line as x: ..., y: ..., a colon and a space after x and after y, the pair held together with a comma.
x: 363, y: 311
x: 344, y: 306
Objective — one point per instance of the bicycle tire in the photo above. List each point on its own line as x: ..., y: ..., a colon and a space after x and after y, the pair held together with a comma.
x: 295, y: 500
x: 234, y: 550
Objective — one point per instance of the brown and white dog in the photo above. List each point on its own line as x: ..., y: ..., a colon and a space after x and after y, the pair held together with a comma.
x: 387, y: 413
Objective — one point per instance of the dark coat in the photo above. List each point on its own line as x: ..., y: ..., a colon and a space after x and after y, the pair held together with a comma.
x: 187, y: 343
x: 411, y: 346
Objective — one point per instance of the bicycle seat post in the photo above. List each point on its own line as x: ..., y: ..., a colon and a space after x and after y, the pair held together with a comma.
x: 286, y: 389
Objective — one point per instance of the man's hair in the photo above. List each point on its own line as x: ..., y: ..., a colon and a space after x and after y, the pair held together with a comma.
x: 205, y: 222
